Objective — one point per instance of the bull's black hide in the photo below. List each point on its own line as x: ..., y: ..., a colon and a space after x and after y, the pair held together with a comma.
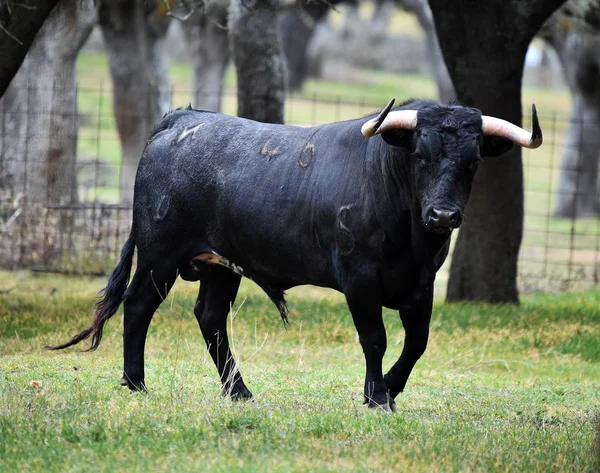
x: 219, y: 197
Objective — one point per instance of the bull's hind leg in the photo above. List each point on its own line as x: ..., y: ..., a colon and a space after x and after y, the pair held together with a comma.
x: 147, y: 290
x: 416, y: 326
x: 218, y: 290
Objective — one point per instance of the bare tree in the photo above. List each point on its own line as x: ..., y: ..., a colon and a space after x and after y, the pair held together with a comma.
x: 19, y: 25
x: 297, y: 27
x: 206, y: 35
x: 578, y: 48
x: 421, y: 10
x: 484, y: 45
x: 38, y: 137
x: 579, y: 53
x: 134, y: 34
x: 259, y: 60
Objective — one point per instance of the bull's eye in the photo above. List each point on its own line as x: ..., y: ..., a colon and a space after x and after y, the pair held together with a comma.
x: 417, y: 155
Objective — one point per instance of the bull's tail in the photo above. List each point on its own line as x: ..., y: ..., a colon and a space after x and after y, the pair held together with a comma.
x: 112, y: 296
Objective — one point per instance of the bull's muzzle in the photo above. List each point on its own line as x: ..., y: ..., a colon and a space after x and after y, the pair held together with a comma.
x: 443, y: 219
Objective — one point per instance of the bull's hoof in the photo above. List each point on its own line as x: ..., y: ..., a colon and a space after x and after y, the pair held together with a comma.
x: 238, y: 392
x: 246, y: 396
x: 389, y: 405
x: 133, y: 385
x: 385, y: 407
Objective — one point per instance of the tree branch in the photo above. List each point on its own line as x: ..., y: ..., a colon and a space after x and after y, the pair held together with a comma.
x: 18, y: 28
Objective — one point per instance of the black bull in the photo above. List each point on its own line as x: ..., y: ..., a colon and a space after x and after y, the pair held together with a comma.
x: 219, y: 197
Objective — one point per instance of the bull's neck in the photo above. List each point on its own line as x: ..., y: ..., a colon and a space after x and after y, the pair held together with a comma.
x: 393, y: 169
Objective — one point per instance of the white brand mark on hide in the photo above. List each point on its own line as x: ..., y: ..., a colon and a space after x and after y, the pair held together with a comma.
x: 188, y: 131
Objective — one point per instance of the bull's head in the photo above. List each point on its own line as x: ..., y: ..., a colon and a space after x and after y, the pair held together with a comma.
x: 448, y: 143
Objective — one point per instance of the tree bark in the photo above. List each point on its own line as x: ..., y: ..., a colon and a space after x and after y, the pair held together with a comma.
x: 587, y: 11
x: 380, y: 20
x: 443, y: 81
x: 579, y: 54
x: 259, y: 61
x: 134, y: 38
x: 351, y: 21
x: 297, y: 27
x: 484, y: 45
x: 208, y: 41
x: 19, y: 25
x: 38, y: 139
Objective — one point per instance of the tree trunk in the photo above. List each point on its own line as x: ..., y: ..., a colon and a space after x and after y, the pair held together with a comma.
x: 38, y: 139
x: 579, y: 54
x: 382, y: 15
x: 19, y: 25
x: 442, y: 79
x: 134, y: 38
x: 259, y: 60
x: 351, y: 21
x: 484, y: 45
x: 207, y: 39
x: 297, y: 27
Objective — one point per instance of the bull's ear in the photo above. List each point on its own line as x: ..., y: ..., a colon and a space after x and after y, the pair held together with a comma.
x: 400, y: 138
x: 495, y: 146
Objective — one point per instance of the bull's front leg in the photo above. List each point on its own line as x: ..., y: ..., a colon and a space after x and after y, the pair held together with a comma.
x: 415, y: 320
x: 365, y: 305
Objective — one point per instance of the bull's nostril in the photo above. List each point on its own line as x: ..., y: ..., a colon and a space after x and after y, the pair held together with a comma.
x: 444, y: 218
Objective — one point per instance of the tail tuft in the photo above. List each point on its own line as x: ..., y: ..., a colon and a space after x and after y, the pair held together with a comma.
x: 111, y: 298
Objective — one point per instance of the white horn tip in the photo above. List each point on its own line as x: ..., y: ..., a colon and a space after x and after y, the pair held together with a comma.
x: 369, y: 128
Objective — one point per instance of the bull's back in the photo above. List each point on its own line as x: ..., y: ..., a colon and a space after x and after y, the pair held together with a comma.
x: 264, y: 195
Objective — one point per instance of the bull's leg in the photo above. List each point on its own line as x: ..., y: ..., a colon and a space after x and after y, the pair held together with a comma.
x: 366, y: 312
x: 416, y: 326
x: 147, y: 290
x: 218, y: 290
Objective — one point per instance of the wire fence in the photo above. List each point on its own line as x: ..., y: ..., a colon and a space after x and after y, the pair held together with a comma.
x: 61, y: 208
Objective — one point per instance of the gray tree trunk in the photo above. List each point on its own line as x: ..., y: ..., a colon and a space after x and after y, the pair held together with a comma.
x: 208, y: 43
x: 381, y: 18
x: 259, y: 60
x: 442, y: 79
x: 579, y: 52
x: 297, y: 27
x: 38, y: 136
x: 351, y: 22
x: 484, y: 45
x: 134, y: 38
x: 20, y: 25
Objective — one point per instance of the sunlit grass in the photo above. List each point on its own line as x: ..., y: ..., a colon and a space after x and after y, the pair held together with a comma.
x: 500, y: 388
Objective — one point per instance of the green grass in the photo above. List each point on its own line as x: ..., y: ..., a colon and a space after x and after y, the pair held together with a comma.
x: 500, y: 388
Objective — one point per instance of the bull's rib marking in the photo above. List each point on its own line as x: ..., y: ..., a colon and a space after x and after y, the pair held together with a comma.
x: 269, y: 152
x: 214, y: 258
x: 309, y: 151
x: 188, y: 131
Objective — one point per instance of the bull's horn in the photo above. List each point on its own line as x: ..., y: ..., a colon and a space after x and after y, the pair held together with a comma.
x: 398, y: 119
x: 498, y: 127
x: 370, y: 128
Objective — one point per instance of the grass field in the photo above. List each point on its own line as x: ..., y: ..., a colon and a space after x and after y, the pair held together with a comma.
x: 500, y: 388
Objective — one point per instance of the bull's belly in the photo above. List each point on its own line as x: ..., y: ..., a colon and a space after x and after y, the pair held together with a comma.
x: 265, y: 268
